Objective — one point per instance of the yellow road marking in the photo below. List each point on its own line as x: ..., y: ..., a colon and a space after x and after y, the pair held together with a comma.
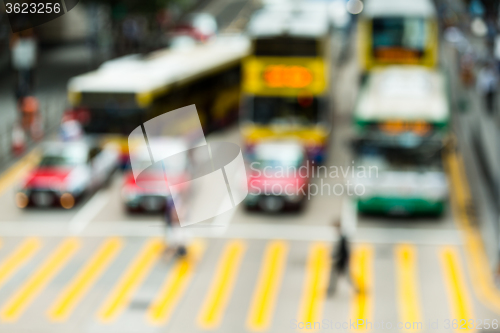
x: 315, y: 284
x: 20, y: 256
x: 477, y: 262
x: 85, y: 278
x: 130, y: 281
x: 268, y: 286
x: 461, y: 308
x: 30, y: 289
x: 407, y: 286
x: 175, y: 285
x: 361, y: 267
x: 18, y: 170
x: 221, y: 286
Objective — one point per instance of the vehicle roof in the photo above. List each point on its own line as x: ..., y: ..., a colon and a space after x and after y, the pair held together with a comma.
x: 304, y: 19
x: 136, y: 74
x: 403, y: 93
x: 279, y: 150
x: 383, y: 8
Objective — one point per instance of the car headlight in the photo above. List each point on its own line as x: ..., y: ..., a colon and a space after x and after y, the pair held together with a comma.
x: 293, y: 198
x: 22, y: 199
x: 67, y: 200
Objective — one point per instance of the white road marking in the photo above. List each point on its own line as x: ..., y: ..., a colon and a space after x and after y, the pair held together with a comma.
x: 80, y: 221
x: 264, y: 231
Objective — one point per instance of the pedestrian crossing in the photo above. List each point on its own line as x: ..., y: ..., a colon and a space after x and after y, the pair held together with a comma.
x: 99, y: 279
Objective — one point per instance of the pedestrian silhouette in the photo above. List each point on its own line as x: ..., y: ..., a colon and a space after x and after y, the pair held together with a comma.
x: 340, y: 261
x: 175, y: 242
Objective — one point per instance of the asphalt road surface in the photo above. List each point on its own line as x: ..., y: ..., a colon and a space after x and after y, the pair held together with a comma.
x: 95, y: 268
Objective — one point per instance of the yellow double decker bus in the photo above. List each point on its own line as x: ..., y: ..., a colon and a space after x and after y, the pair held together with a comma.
x: 286, y: 78
x: 395, y: 32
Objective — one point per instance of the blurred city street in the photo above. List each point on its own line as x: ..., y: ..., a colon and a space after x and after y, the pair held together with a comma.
x: 96, y: 267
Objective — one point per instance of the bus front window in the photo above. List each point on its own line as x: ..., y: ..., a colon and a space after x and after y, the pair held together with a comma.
x: 279, y: 110
x: 399, y: 34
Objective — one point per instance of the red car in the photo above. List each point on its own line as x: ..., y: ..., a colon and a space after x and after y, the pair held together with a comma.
x: 278, y: 178
x: 153, y: 198
x: 66, y: 171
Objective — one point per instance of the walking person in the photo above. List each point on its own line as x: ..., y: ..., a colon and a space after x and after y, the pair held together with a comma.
x: 175, y: 240
x: 24, y: 55
x: 340, y: 261
x: 487, y: 83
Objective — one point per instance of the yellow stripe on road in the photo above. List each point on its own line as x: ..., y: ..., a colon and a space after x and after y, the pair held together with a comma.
x: 268, y: 286
x: 221, y: 286
x: 19, y: 257
x: 361, y: 268
x: 315, y: 284
x: 460, y: 304
x: 130, y: 281
x: 477, y: 261
x: 72, y: 294
x: 30, y: 289
x: 407, y: 286
x: 18, y: 170
x: 175, y: 285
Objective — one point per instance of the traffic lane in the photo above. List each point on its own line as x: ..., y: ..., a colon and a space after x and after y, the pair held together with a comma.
x: 115, y: 211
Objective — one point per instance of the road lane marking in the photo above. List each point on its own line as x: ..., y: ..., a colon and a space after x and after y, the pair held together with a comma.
x: 407, y: 285
x: 119, y: 298
x: 264, y: 231
x: 175, y: 285
x: 46, y: 271
x: 18, y: 170
x: 86, y: 277
x: 315, y: 283
x: 18, y: 258
x: 477, y: 260
x: 362, y: 274
x: 268, y: 286
x: 89, y: 211
x: 222, y: 285
x: 458, y: 296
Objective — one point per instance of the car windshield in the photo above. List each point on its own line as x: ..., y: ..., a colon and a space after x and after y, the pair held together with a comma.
x: 277, y: 158
x: 67, y: 157
x: 172, y: 165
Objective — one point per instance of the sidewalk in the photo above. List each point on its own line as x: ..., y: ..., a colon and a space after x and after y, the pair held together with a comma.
x: 478, y: 138
x: 56, y: 66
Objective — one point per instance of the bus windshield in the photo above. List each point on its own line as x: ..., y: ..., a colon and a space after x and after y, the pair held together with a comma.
x: 422, y: 158
x: 400, y: 33
x: 286, y: 47
x: 279, y: 110
x: 113, y: 120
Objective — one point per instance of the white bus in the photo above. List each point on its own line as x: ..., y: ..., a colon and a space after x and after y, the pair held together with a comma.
x: 125, y: 92
x: 402, y: 122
